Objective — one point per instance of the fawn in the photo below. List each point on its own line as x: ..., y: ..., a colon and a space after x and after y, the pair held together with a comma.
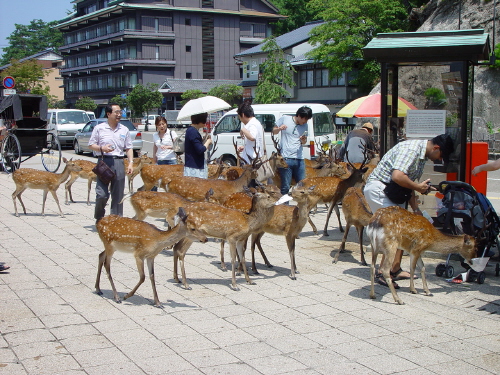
x: 393, y: 228
x: 86, y: 173
x: 25, y: 178
x: 144, y: 240
x: 357, y: 212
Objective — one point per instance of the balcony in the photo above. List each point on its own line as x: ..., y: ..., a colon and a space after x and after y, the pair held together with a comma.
x: 118, y: 64
x: 117, y: 37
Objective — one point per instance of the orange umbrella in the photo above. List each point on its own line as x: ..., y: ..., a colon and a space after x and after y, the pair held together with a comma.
x: 369, y: 106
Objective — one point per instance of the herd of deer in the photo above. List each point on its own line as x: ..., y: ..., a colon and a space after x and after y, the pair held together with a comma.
x: 224, y: 207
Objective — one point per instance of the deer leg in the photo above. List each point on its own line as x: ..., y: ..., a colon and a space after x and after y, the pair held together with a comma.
x: 325, y: 230
x: 45, y: 192
x: 222, y: 263
x: 130, y: 184
x: 17, y: 194
x: 290, y: 241
x: 232, y: 249
x: 315, y: 230
x: 89, y: 188
x: 240, y: 248
x: 107, y: 266
x: 337, y: 211
x: 68, y: 189
x: 102, y: 258
x: 54, y: 194
x: 261, y: 251
x: 372, y: 273
x: 360, y: 230
x: 414, y: 262
x: 385, y: 269
x: 342, y: 245
x: 142, y: 277
x: 256, y: 241
x: 185, y: 245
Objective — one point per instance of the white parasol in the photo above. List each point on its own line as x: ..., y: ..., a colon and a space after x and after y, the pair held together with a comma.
x: 205, y: 104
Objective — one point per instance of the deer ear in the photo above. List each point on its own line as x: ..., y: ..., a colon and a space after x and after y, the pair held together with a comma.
x: 466, y: 239
x: 180, y: 216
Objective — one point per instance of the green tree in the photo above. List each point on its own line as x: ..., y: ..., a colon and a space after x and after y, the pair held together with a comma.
x: 232, y: 94
x: 191, y: 94
x: 496, y: 65
x: 118, y: 99
x: 54, y: 102
x: 297, y: 12
x: 144, y: 98
x: 276, y: 73
x: 350, y: 25
x: 86, y: 103
x: 29, y: 76
x: 27, y: 40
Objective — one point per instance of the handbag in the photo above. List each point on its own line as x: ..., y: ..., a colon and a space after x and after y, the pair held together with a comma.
x: 397, y: 193
x: 103, y: 171
x: 179, y: 143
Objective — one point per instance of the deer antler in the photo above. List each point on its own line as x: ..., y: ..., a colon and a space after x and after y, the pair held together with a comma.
x: 276, y: 143
x: 212, y: 151
x: 238, y: 153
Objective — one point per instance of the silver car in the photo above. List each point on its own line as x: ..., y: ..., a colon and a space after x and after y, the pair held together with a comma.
x: 81, y: 141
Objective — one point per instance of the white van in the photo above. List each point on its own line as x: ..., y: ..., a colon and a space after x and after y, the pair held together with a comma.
x: 66, y: 123
x: 320, y: 128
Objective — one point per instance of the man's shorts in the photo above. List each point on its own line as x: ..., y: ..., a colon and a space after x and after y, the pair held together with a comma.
x: 375, y: 196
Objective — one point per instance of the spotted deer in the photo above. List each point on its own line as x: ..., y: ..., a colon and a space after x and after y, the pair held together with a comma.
x: 25, y: 178
x: 393, y: 228
x: 152, y: 174
x: 86, y: 174
x: 139, y: 163
x: 357, y: 212
x: 142, y: 239
x: 228, y: 224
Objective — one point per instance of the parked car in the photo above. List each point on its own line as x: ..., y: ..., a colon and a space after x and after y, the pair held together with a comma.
x: 81, y: 141
x: 91, y: 115
x: 65, y: 123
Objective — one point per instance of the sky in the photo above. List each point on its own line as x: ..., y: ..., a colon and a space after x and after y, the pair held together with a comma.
x: 24, y: 11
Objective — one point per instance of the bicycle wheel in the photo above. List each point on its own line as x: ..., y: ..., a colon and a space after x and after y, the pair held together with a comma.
x: 51, y: 154
x: 11, y: 153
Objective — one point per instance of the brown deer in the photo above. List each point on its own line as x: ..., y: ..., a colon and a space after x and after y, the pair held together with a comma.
x: 357, y: 212
x: 242, y: 201
x: 25, y: 178
x: 393, y: 228
x: 230, y: 225
x: 195, y: 189
x: 332, y: 190
x: 152, y: 174
x: 139, y: 163
x: 287, y: 221
x: 144, y: 240
x: 86, y: 173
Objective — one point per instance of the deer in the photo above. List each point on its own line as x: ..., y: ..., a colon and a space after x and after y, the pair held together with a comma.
x: 242, y: 201
x: 139, y: 163
x: 332, y: 190
x: 228, y: 224
x: 195, y: 189
x: 287, y: 221
x: 142, y: 239
x: 86, y: 173
x: 25, y: 178
x: 152, y: 174
x: 357, y: 212
x: 393, y: 228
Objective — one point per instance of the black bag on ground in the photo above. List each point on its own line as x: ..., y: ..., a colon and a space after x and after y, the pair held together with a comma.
x: 397, y: 193
x: 104, y: 172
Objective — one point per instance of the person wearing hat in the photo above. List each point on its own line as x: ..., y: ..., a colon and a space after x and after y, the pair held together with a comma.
x: 355, y: 144
x: 404, y: 165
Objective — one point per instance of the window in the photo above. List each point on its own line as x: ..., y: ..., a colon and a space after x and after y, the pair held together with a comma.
x: 188, y: 48
x: 229, y: 124
x: 187, y: 21
x: 323, y: 123
x: 267, y: 121
x: 188, y: 75
x: 307, y: 78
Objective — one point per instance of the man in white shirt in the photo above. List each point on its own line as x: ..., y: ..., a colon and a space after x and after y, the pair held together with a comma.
x: 252, y: 131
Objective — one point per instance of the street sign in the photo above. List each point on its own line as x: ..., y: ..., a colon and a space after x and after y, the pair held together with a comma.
x: 7, y: 92
x: 9, y: 82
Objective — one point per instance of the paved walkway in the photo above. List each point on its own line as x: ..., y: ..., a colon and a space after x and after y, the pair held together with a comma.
x: 52, y: 322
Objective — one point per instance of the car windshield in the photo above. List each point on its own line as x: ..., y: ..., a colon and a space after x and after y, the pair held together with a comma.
x: 75, y: 117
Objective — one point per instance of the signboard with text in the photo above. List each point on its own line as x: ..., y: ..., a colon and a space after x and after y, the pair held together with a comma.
x: 425, y: 123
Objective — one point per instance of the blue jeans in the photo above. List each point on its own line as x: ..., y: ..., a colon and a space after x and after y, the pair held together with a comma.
x: 296, y: 169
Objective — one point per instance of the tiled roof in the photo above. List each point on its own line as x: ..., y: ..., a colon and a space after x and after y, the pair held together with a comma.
x: 287, y: 40
x: 176, y: 85
x: 36, y: 56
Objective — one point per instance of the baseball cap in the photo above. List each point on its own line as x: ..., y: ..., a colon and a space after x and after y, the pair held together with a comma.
x: 446, y: 146
x: 368, y: 125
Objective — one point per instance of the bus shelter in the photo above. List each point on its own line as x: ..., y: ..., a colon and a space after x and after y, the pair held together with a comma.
x: 447, y: 60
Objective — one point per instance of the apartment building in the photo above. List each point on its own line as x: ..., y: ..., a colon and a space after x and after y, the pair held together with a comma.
x: 112, y: 45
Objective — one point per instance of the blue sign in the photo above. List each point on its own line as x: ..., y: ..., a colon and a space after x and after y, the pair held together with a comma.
x: 9, y: 82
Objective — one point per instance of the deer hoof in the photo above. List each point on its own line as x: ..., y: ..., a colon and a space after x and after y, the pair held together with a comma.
x: 429, y: 294
x: 293, y: 277
x: 372, y: 296
x: 66, y: 203
x: 413, y: 292
x: 118, y: 301
x: 98, y: 292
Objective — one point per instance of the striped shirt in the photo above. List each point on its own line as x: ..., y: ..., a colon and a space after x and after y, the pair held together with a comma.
x: 407, y: 157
